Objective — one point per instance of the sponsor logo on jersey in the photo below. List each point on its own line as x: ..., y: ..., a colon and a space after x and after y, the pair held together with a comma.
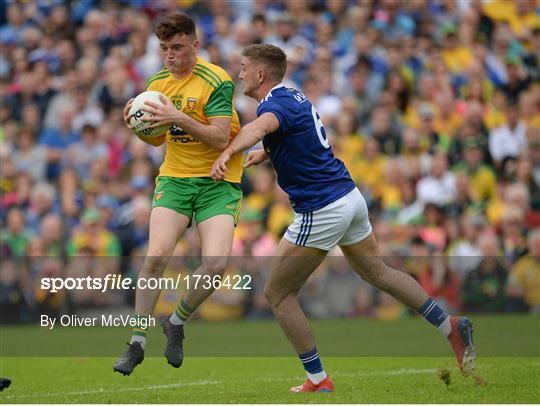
x: 184, y: 139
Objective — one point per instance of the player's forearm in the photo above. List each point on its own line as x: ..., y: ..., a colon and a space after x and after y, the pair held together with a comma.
x: 213, y: 135
x: 155, y: 141
x: 248, y: 136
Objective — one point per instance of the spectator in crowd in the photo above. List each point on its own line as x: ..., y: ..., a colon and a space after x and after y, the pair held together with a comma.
x: 483, y: 289
x: 439, y: 187
x: 12, y: 32
x: 91, y: 234
x: 367, y: 167
x: 81, y: 154
x: 30, y: 157
x: 287, y: 38
x: 465, y: 200
x: 52, y: 236
x: 411, y: 208
x: 42, y: 202
x: 463, y: 252
x: 13, y: 305
x: 517, y: 79
x: 16, y: 237
x: 513, y: 234
x: 134, y: 235
x: 382, y: 129
x: 56, y: 140
x: 523, y: 287
x: 509, y: 140
x: 482, y: 179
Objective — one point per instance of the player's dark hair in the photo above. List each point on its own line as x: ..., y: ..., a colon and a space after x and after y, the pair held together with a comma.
x: 271, y: 56
x: 176, y: 23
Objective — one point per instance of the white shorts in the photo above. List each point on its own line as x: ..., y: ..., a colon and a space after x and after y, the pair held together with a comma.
x: 343, y: 222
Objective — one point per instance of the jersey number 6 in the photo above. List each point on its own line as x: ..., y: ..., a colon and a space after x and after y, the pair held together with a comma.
x: 321, y: 132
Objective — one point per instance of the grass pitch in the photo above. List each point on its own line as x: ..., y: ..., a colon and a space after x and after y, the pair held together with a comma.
x: 509, y: 362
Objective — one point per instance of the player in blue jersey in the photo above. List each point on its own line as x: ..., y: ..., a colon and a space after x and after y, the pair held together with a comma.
x: 329, y: 211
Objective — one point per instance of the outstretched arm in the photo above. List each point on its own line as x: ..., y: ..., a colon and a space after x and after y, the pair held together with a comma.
x: 248, y: 136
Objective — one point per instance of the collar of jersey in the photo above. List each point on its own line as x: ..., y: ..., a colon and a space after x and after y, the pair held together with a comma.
x: 270, y: 92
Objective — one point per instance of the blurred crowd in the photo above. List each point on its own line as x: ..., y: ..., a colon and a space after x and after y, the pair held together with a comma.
x: 433, y: 105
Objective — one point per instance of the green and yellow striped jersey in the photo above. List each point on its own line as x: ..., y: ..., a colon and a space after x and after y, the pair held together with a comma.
x: 204, y: 94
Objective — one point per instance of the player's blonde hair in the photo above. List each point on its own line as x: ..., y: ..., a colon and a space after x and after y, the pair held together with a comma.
x: 272, y: 57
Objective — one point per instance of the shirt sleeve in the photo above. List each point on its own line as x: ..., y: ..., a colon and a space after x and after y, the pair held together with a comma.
x: 278, y: 111
x: 220, y: 103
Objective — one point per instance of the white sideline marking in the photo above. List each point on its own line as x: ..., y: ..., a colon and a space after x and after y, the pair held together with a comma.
x: 402, y: 371
x: 114, y: 390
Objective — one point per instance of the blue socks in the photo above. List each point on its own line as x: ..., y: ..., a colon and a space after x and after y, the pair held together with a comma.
x: 313, y: 366
x: 434, y: 314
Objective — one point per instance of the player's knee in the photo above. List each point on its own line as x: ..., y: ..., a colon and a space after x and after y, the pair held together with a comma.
x: 215, y: 265
x: 158, y: 252
x: 270, y: 295
x: 274, y: 296
x: 156, y: 261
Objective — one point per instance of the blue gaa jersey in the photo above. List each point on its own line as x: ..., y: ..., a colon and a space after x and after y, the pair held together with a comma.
x: 305, y: 164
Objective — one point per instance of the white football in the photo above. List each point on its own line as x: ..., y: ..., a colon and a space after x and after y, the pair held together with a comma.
x: 137, y: 113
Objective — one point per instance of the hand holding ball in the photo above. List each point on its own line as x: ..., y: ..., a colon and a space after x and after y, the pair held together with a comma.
x: 137, y: 113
